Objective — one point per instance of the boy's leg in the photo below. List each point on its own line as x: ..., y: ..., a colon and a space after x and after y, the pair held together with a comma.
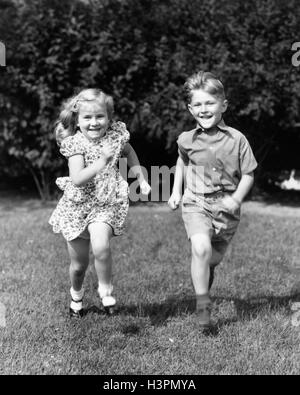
x: 201, y: 257
x: 79, y: 255
x: 215, y: 260
x: 196, y: 216
x: 101, y: 234
x: 225, y: 225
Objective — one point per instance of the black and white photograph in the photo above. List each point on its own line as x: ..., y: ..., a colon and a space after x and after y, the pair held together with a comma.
x: 149, y: 190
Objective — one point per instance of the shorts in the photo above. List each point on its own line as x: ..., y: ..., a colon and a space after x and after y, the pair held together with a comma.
x: 206, y: 214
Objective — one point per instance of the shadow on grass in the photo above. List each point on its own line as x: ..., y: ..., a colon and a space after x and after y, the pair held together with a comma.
x: 94, y: 310
x: 250, y: 308
x: 245, y: 309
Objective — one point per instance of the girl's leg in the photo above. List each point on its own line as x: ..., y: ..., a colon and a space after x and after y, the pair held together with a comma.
x: 79, y: 255
x: 201, y: 257
x: 101, y: 234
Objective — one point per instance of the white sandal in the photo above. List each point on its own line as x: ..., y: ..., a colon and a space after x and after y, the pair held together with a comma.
x: 108, y: 301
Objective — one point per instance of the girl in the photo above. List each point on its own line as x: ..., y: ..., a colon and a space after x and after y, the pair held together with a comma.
x: 94, y: 205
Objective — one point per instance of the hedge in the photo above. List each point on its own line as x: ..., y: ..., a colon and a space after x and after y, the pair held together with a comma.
x: 141, y: 51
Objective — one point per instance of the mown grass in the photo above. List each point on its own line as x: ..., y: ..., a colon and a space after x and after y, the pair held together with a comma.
x: 155, y: 330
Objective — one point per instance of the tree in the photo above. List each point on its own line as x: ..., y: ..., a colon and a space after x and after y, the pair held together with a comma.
x: 141, y: 51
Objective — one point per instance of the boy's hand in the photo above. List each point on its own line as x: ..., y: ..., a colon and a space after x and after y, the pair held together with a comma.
x: 145, y: 187
x: 174, y: 200
x: 107, y: 152
x: 231, y: 203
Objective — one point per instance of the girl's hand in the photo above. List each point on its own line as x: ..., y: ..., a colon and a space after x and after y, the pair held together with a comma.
x: 231, y: 203
x: 145, y: 187
x: 174, y: 200
x: 107, y: 152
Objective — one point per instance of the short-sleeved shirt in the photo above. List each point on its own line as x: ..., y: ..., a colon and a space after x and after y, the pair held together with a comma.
x: 215, y: 161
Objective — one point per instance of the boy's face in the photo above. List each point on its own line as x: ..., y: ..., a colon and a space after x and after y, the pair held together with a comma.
x: 206, y: 108
x: 93, y: 120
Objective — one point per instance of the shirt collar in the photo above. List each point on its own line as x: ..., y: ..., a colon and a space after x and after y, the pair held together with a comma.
x: 222, y: 125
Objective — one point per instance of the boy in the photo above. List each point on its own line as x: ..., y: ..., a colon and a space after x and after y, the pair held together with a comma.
x: 217, y: 164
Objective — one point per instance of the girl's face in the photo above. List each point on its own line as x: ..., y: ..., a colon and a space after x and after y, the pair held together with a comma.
x: 206, y: 108
x: 93, y: 120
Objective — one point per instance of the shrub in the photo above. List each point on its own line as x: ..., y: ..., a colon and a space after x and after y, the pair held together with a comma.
x: 141, y: 52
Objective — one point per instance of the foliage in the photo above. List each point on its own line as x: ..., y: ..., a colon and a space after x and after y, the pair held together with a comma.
x: 141, y: 52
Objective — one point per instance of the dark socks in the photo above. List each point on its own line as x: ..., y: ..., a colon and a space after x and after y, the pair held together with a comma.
x: 203, y: 300
x: 203, y: 309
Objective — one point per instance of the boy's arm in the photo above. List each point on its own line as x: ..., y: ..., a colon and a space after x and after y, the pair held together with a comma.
x: 177, y: 186
x: 234, y: 201
x: 134, y: 165
x: 244, y: 187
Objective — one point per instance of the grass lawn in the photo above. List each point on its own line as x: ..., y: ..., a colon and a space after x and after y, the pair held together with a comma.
x: 155, y: 330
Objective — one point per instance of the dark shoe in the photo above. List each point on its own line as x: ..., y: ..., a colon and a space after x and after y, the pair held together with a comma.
x: 109, y: 303
x: 204, y: 316
x: 110, y: 310
x: 211, y: 276
x: 75, y: 313
x: 203, y: 310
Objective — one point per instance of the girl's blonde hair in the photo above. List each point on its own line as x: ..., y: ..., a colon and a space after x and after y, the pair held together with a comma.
x: 66, y: 124
x: 206, y: 81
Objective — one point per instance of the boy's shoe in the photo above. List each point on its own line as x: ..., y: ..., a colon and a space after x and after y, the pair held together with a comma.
x: 76, y: 313
x: 211, y: 276
x: 203, y: 310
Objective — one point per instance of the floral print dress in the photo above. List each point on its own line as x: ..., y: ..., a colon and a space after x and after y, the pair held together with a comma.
x: 102, y: 199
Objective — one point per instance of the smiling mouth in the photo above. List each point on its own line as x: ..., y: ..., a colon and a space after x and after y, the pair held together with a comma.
x: 206, y: 117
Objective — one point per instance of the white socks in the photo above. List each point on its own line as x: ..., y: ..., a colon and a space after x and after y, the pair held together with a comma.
x: 76, y: 303
x: 105, y: 291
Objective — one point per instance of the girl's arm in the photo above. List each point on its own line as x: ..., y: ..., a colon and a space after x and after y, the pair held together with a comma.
x: 134, y: 165
x: 177, y: 186
x: 80, y: 174
x: 133, y: 162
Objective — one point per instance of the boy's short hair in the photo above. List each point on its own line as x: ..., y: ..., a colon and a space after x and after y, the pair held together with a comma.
x: 205, y: 80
